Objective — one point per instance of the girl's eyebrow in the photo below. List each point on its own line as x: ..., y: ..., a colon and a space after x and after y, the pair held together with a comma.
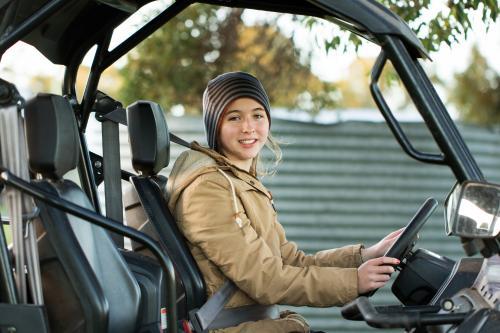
x: 259, y: 108
x: 228, y: 112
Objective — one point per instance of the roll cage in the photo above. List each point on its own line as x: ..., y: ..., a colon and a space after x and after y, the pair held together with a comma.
x: 65, y: 30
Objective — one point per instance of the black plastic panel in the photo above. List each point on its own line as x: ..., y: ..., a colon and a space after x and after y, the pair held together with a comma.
x: 23, y: 318
x: 170, y: 236
x: 421, y: 278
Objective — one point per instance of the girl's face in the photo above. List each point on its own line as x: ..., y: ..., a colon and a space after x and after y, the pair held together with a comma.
x: 243, y: 131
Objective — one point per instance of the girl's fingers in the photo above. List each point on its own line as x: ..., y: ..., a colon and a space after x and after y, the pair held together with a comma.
x: 395, y: 233
x: 386, y: 269
x: 380, y: 278
x: 385, y: 261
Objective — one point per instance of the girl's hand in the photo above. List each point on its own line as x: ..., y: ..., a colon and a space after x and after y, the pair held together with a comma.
x: 375, y: 273
x: 379, y: 249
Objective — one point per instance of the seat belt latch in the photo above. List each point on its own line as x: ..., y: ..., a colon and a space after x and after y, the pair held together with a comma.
x: 194, y: 323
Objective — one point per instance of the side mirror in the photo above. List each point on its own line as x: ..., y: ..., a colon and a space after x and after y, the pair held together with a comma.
x: 472, y: 210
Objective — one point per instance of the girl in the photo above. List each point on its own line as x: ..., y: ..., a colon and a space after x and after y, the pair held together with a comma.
x: 231, y: 226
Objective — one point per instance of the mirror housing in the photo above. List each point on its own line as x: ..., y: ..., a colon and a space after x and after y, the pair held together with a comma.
x: 472, y: 210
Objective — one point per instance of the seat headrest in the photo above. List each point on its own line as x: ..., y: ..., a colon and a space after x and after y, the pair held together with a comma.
x: 149, y: 137
x: 51, y: 135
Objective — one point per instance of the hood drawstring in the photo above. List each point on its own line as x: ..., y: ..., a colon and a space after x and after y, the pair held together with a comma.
x: 237, y: 213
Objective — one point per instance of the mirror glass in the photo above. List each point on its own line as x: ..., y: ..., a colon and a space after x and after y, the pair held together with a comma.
x: 472, y: 210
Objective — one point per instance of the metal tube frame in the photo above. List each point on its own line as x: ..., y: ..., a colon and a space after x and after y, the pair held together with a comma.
x: 93, y: 81
x: 109, y: 224
x: 396, y: 129
x: 86, y: 173
x: 107, y: 58
x: 102, y: 60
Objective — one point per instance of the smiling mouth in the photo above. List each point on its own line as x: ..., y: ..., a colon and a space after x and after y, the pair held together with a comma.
x: 247, y: 141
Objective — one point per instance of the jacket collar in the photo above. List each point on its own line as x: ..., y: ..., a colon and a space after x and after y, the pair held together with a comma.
x: 225, y: 164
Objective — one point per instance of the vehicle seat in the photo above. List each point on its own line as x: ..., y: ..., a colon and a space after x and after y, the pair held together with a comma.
x: 87, y: 284
x: 150, y: 149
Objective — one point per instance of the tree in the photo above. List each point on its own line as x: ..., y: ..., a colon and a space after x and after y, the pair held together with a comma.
x: 476, y: 92
x: 433, y: 22
x: 174, y: 64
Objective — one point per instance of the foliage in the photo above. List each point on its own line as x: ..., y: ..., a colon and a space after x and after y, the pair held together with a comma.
x: 174, y: 65
x: 432, y: 26
x: 477, y: 92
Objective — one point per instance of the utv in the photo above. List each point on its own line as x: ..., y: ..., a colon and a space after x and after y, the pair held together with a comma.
x: 68, y: 270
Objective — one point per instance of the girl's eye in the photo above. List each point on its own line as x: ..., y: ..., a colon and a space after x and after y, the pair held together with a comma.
x: 233, y: 118
x: 259, y: 116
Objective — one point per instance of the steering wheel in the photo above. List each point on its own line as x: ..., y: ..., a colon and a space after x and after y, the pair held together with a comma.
x: 406, y: 240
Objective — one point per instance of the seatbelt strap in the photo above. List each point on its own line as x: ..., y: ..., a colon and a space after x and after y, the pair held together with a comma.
x: 179, y: 141
x: 110, y: 113
x: 204, y: 316
x: 235, y: 316
x: 213, y: 315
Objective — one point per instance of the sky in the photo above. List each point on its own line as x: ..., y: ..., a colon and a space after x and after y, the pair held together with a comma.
x: 22, y: 61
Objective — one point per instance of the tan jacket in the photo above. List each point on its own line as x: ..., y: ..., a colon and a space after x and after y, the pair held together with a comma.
x: 231, y: 226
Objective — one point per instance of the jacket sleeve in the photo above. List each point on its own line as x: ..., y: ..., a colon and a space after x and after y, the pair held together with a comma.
x: 208, y: 222
x: 347, y: 256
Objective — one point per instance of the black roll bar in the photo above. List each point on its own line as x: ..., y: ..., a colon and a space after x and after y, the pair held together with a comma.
x: 109, y: 224
x: 153, y: 25
x: 104, y: 59
x: 90, y: 92
x: 86, y: 173
x: 391, y: 120
x: 442, y: 128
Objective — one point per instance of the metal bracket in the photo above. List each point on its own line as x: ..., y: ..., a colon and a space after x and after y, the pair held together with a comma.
x: 108, y: 109
x: 98, y: 168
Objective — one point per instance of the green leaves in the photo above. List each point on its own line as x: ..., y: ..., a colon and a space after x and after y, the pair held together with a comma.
x: 476, y: 92
x: 434, y: 24
x: 174, y: 65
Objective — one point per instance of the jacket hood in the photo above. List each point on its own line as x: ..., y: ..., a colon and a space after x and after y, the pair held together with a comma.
x: 193, y: 163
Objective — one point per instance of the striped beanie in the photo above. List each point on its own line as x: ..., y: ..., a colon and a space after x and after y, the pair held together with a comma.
x: 224, y: 89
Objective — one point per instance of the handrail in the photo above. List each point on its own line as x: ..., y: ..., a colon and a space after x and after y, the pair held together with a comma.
x: 435, y: 115
x: 391, y: 120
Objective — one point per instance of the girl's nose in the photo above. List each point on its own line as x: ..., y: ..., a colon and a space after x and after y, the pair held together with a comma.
x: 247, y: 126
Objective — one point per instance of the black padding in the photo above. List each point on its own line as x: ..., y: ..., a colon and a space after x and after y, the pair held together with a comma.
x: 21, y: 318
x: 148, y: 136
x: 83, y: 271
x: 151, y: 280
x: 52, y: 135
x: 153, y: 202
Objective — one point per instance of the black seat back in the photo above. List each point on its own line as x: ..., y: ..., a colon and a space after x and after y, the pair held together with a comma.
x: 87, y: 284
x: 150, y: 148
